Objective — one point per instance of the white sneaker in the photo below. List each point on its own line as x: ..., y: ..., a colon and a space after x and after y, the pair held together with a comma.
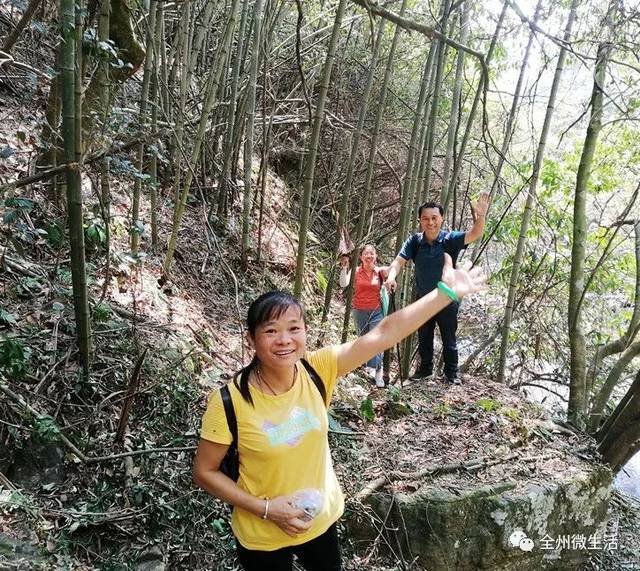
x: 379, y: 379
x: 371, y: 372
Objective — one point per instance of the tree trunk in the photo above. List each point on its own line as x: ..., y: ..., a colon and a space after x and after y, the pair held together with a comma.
x: 12, y: 38
x: 373, y: 145
x: 455, y: 108
x: 74, y: 191
x: 533, y: 184
x: 129, y: 50
x: 619, y: 437
x: 577, y: 342
x: 105, y: 182
x: 351, y: 164
x: 599, y: 400
x: 201, y: 33
x: 149, y: 63
x: 209, y: 101
x: 313, y: 149
x: 415, y: 145
x: 482, y: 84
x: 228, y: 149
x: 508, y: 131
x: 163, y: 84
x: 249, y: 131
x: 156, y: 105
x: 177, y: 147
x: 435, y: 101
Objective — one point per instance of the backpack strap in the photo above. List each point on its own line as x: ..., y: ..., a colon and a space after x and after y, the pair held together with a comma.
x: 317, y: 381
x: 416, y: 237
x: 230, y: 413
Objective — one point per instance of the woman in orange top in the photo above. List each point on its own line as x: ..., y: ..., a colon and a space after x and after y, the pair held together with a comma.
x: 367, y: 310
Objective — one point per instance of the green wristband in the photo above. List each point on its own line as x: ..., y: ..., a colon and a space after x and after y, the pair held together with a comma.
x: 444, y: 288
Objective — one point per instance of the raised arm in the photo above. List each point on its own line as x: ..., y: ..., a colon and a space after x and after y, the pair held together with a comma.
x: 402, y: 323
x: 394, y: 271
x: 480, y: 212
x: 345, y: 271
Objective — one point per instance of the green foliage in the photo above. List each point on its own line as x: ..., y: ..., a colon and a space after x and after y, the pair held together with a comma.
x: 220, y: 525
x: 137, y: 228
x: 23, y: 502
x: 16, y: 207
x: 487, y: 404
x: 512, y: 413
x: 397, y: 406
x: 322, y: 280
x: 45, y: 428
x: 366, y: 409
x: 442, y: 410
x: 14, y: 358
x: 96, y: 233
x: 551, y: 177
x: 101, y: 313
x: 127, y: 168
x: 28, y: 287
x: 334, y: 424
x: 54, y: 233
x: 6, y: 317
x: 394, y: 394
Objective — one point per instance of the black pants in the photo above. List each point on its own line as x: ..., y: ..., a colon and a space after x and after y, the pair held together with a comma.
x: 447, y: 321
x: 319, y: 554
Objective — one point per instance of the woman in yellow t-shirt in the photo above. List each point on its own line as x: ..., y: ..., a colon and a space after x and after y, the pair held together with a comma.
x: 287, y: 499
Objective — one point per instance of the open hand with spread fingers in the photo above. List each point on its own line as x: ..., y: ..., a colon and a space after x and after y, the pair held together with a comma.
x: 462, y: 281
x: 482, y: 206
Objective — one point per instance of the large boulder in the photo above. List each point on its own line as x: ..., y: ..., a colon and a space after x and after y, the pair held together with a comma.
x: 503, y: 527
x: 475, y: 477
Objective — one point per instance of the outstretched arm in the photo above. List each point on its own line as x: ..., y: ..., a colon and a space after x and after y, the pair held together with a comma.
x: 480, y: 211
x: 402, y: 323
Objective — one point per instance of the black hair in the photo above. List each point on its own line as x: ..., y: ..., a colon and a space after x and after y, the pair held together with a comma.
x: 268, y: 306
x: 430, y: 204
x: 369, y: 245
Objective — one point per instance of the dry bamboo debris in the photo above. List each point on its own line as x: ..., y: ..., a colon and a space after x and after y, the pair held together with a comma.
x: 114, y: 149
x: 72, y: 447
x: 25, y: 268
x: 470, y: 466
x: 7, y: 59
x: 132, y: 390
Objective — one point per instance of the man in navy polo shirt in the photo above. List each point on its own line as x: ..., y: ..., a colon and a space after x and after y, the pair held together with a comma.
x: 426, y: 249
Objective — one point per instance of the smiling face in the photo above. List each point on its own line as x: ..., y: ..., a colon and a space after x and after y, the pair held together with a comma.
x: 368, y: 257
x: 281, y: 341
x: 430, y: 222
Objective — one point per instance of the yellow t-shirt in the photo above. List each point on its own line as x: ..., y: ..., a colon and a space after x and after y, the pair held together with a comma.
x: 283, y: 448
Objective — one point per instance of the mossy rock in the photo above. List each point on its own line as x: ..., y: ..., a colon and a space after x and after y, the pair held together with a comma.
x: 467, y: 530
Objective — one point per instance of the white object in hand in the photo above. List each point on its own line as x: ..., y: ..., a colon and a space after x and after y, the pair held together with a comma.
x: 310, y: 501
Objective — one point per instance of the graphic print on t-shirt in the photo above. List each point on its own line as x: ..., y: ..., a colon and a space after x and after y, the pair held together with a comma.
x: 291, y: 431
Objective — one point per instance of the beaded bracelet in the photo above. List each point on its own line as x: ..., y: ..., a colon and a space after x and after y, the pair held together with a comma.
x: 265, y: 515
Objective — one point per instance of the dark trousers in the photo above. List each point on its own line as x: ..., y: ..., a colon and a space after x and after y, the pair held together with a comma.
x: 447, y: 321
x: 319, y: 554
